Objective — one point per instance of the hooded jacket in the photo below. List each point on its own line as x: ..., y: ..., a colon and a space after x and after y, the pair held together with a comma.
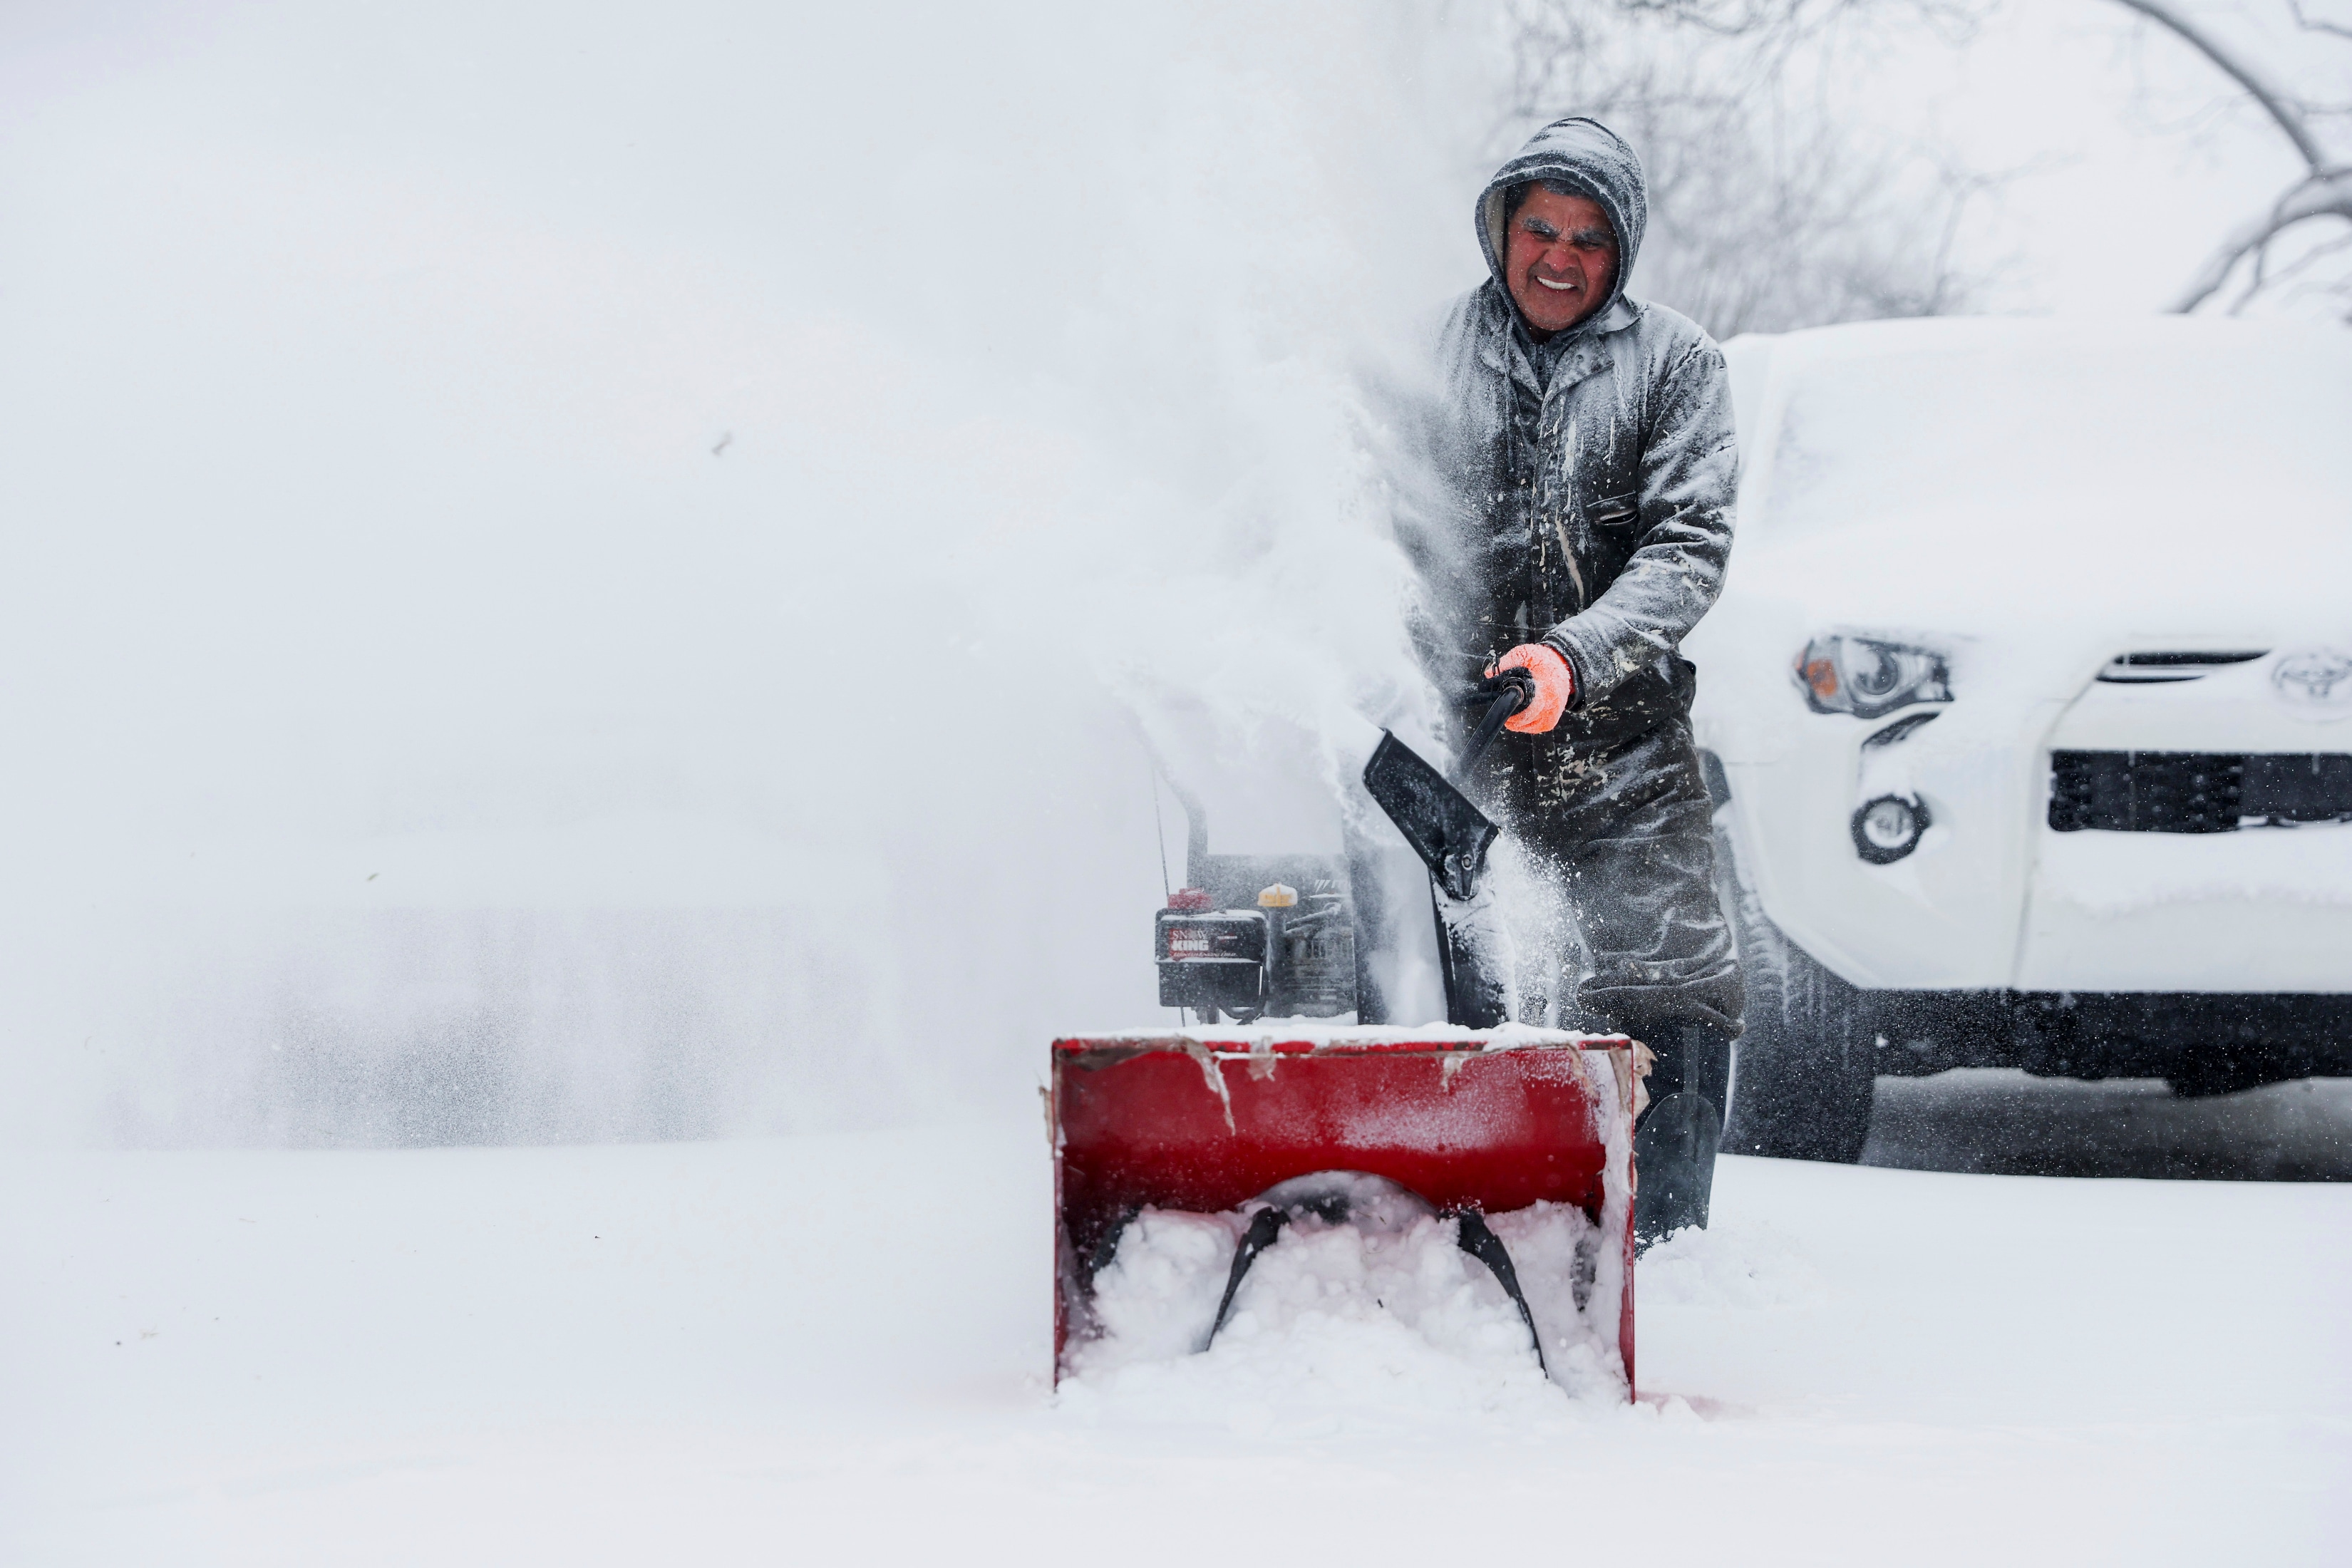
x: 1591, y: 505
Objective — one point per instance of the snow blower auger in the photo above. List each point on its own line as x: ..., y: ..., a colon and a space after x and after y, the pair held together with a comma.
x: 1487, y: 1129
x: 1518, y: 1137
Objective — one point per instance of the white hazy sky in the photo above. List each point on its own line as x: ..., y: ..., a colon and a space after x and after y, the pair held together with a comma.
x: 2131, y: 157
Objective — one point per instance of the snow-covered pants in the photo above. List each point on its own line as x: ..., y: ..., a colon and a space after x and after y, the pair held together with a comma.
x: 1617, y: 832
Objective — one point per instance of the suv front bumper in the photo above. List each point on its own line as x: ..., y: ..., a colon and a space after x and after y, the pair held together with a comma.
x: 2260, y: 1038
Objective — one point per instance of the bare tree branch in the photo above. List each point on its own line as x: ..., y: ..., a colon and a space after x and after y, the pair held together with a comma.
x: 2326, y: 190
x: 2327, y: 194
x: 1767, y: 211
x: 2282, y: 107
x: 1795, y: 18
x: 2316, y: 24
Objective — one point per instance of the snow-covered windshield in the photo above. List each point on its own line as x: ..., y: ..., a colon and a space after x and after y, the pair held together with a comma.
x: 1952, y: 426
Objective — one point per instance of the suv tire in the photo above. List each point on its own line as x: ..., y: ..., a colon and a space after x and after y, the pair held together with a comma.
x: 1802, y: 1078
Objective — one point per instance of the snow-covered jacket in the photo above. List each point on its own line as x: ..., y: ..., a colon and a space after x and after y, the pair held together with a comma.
x: 1592, y: 507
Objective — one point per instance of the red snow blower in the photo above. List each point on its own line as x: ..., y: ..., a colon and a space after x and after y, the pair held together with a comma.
x: 1481, y: 1121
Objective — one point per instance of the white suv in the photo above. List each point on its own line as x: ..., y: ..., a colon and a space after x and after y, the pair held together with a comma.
x: 2028, y: 709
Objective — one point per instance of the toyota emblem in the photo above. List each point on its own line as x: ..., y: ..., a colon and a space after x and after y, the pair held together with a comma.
x: 2315, y: 681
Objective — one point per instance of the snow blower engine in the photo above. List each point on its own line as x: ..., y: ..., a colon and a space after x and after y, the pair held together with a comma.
x: 1288, y: 951
x: 1277, y: 936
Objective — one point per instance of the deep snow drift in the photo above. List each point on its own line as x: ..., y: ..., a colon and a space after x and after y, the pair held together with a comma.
x: 833, y: 1350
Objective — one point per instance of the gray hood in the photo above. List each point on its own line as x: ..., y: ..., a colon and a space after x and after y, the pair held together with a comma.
x: 1588, y: 155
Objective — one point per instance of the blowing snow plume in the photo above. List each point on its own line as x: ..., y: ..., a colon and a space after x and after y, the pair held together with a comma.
x: 611, y: 572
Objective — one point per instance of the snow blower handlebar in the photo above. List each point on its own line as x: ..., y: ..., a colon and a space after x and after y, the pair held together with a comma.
x: 1505, y: 692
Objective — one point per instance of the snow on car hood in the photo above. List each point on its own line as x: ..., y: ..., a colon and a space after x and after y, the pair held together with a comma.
x: 2038, y: 496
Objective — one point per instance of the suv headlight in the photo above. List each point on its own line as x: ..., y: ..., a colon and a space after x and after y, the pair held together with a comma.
x: 1866, y: 678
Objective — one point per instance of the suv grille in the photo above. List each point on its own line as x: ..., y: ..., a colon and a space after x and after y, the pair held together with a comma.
x: 2196, y: 792
x: 2157, y: 668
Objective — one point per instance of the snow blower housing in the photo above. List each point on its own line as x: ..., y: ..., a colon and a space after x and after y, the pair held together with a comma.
x: 1512, y: 1144
x: 1522, y: 1136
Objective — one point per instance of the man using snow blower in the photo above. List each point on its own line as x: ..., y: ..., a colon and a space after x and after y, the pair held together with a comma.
x: 1587, y: 441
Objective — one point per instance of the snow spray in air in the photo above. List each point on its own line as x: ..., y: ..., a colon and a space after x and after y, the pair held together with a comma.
x: 615, y: 613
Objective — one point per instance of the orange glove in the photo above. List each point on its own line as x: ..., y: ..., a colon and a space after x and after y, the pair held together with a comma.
x: 1554, y: 684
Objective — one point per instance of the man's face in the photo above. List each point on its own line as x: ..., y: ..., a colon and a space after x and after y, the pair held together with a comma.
x: 1561, y: 259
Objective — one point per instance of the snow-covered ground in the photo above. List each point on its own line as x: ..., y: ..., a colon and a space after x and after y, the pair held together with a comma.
x: 833, y: 1349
